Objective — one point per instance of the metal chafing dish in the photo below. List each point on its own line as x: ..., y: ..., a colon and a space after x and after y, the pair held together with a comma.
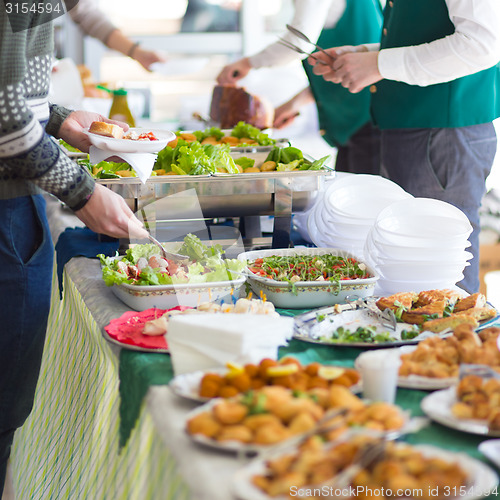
x: 228, y: 195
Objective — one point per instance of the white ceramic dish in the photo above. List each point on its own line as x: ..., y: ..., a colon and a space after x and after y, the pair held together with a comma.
x: 423, y: 206
x: 437, y: 406
x: 187, y: 385
x: 482, y: 480
x: 308, y: 294
x: 388, y: 287
x: 129, y: 146
x: 421, y: 271
x: 168, y: 296
x: 491, y: 450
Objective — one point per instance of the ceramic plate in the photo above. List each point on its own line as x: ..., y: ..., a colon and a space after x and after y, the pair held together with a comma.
x: 241, y: 448
x: 437, y: 406
x: 482, y: 480
x: 491, y: 450
x: 187, y: 385
x: 129, y: 146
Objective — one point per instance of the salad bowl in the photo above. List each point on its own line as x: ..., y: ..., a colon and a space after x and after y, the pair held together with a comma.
x: 308, y: 294
x: 143, y: 279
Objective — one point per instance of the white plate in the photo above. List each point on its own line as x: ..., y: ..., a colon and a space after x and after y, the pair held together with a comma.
x: 352, y: 320
x: 491, y: 450
x: 252, y: 449
x: 481, y: 478
x: 187, y: 385
x: 308, y: 294
x: 129, y: 146
x: 437, y: 406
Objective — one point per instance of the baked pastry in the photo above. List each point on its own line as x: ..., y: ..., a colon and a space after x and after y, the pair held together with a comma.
x: 474, y: 300
x: 397, y: 300
x: 441, y: 324
x: 106, y: 129
x: 419, y: 315
x: 231, y: 105
x: 429, y: 296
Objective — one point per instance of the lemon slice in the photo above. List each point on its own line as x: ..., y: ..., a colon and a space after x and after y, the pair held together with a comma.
x: 330, y: 372
x: 235, y: 369
x: 282, y: 370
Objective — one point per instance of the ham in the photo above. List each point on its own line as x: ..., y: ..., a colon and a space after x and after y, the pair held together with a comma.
x: 231, y: 105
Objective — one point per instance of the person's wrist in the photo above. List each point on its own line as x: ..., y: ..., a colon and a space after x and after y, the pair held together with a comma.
x: 132, y: 49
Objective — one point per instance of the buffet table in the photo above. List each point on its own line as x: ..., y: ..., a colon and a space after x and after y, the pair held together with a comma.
x: 79, y: 443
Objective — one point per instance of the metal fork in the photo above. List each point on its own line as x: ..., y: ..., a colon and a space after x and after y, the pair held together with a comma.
x: 291, y: 46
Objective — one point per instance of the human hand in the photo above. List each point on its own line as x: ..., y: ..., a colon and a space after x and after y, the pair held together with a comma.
x: 147, y: 57
x: 285, y: 114
x: 72, y: 128
x: 231, y: 73
x: 353, y: 69
x: 107, y: 213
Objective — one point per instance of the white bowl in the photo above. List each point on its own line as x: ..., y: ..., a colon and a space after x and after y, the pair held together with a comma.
x: 388, y: 287
x: 422, y: 207
x: 424, y: 226
x: 129, y: 146
x: 416, y: 241
x: 307, y: 294
x: 141, y: 298
x: 411, y: 271
x: 365, y: 201
x: 432, y: 260
x: 383, y: 250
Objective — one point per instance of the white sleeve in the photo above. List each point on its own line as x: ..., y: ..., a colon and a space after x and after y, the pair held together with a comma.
x: 473, y: 47
x: 309, y: 17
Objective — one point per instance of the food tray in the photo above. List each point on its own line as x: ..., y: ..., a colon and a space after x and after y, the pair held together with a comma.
x: 239, y: 195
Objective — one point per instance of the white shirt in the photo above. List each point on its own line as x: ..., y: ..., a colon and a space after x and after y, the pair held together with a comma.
x: 310, y: 17
x: 473, y: 47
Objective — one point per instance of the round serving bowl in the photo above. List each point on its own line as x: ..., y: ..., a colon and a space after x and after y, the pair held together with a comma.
x: 307, y: 294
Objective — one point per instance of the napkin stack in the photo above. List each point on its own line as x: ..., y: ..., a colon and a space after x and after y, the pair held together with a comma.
x: 205, y: 341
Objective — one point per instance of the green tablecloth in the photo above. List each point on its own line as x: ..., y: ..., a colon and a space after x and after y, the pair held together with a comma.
x: 140, y: 370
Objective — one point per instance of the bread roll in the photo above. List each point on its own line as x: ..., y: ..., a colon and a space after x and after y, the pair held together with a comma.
x: 106, y: 129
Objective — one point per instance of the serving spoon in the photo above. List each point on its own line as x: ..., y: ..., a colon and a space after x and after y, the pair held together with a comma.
x: 304, y: 37
x: 165, y: 253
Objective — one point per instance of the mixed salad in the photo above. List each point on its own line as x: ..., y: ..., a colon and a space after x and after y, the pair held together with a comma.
x: 144, y: 265
x: 293, y: 268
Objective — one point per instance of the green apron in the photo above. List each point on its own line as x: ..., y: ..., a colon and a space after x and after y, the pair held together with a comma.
x: 466, y: 101
x: 340, y: 112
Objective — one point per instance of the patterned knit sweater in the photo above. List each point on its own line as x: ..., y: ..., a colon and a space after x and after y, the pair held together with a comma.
x: 30, y: 161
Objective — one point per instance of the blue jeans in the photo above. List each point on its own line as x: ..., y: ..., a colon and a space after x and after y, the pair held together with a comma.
x: 26, y: 257
x: 448, y: 164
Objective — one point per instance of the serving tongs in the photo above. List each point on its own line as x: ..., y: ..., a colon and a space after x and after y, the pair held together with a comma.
x: 291, y: 46
x: 304, y: 323
x: 304, y: 37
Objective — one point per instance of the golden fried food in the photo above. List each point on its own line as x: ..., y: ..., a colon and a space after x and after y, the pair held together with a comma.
x: 230, y: 412
x: 235, y: 433
x: 340, y: 397
x: 418, y: 315
x: 404, y: 299
x: 203, y: 423
x: 472, y: 301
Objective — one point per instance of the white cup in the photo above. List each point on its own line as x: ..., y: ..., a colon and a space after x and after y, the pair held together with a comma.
x: 379, y: 373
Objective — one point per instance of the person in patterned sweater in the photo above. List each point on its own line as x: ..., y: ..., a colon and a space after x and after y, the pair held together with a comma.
x: 32, y: 163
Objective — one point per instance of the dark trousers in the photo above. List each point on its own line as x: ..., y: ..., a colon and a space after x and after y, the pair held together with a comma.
x: 26, y: 256
x: 361, y: 154
x: 448, y: 164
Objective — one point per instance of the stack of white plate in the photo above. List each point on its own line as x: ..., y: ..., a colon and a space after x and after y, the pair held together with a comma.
x: 419, y: 244
x: 346, y: 211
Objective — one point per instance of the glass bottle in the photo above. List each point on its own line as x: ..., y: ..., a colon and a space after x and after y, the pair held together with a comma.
x: 119, y: 108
